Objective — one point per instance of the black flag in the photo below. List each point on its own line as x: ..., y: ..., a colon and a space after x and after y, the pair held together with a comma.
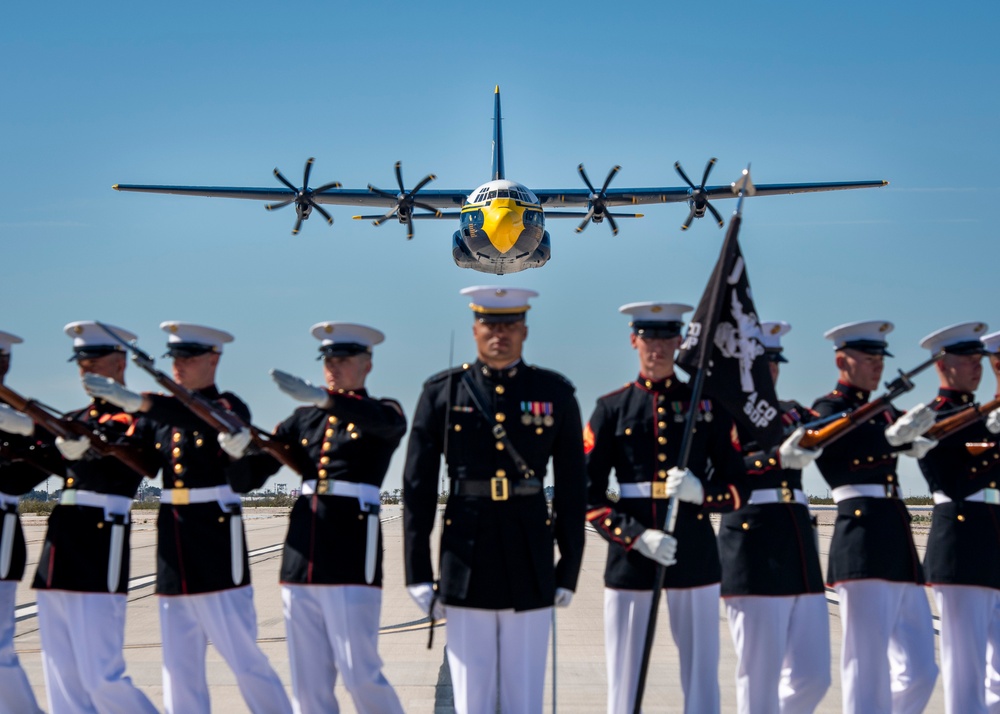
x: 724, y: 338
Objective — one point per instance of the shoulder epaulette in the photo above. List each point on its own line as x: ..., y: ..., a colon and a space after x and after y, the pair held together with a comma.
x: 552, y: 373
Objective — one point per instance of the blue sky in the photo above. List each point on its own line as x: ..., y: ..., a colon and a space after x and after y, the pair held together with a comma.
x: 219, y: 95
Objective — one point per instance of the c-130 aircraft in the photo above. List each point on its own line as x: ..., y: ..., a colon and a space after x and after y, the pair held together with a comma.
x: 501, y: 223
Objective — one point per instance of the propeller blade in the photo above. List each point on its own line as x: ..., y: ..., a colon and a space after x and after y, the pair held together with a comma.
x: 409, y: 227
x: 386, y: 216
x: 687, y: 221
x: 611, y: 175
x: 298, y: 225
x: 583, y: 175
x: 678, y: 169
x: 427, y: 207
x: 274, y: 206
x: 708, y: 170
x: 399, y: 176
x: 327, y: 186
x: 305, y: 174
x: 427, y: 179
x: 284, y: 180
x: 586, y: 220
x: 327, y: 216
x: 380, y: 192
x: 611, y: 222
x: 715, y: 213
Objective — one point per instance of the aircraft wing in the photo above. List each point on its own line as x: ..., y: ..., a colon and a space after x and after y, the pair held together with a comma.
x: 337, y: 196
x: 580, y: 197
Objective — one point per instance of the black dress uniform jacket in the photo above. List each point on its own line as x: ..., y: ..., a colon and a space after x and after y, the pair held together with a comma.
x: 637, y: 432
x: 496, y: 554
x: 77, y: 544
x: 353, y: 441
x: 871, y: 538
x: 24, y: 463
x: 964, y: 543
x: 193, y: 544
x: 770, y: 549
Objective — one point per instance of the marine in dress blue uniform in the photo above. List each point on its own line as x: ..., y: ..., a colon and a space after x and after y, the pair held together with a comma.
x: 772, y: 583
x: 331, y: 568
x: 202, y: 573
x: 636, y: 432
x: 26, y: 459
x: 962, y: 561
x: 497, y: 579
x: 887, y: 656
x: 82, y: 576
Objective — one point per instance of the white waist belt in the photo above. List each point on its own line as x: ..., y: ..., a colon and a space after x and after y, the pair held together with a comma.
x: 986, y: 495
x: 112, y: 504
x: 777, y: 495
x: 7, y: 499
x: 364, y: 492
x: 865, y: 490
x: 223, y: 495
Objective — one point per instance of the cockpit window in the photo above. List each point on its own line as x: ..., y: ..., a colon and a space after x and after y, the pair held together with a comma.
x: 493, y: 194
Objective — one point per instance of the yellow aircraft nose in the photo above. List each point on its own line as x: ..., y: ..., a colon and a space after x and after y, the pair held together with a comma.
x: 503, y: 223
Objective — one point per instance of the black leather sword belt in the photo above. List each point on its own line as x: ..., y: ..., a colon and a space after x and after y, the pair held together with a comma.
x: 497, y: 489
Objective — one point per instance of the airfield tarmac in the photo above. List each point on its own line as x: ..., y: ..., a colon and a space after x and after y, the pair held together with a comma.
x: 419, y: 675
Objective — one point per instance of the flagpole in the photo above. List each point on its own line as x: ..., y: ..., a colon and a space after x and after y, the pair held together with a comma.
x: 685, y: 451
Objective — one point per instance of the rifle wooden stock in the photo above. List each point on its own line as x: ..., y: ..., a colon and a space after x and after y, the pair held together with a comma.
x: 68, y: 429
x: 961, y: 419
x: 829, y: 433
x: 280, y: 451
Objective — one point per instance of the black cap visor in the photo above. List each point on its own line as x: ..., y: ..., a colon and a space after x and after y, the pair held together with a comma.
x: 93, y: 352
x: 656, y: 330
x: 970, y: 347
x: 774, y: 355
x: 187, y: 349
x: 871, y: 347
x: 343, y: 349
x: 494, y: 318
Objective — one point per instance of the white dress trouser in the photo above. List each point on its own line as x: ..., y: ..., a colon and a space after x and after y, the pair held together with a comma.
x: 331, y: 629
x: 16, y: 696
x: 782, y: 652
x: 694, y: 624
x: 480, y: 642
x: 970, y: 648
x: 887, y: 656
x: 82, y: 638
x: 228, y: 620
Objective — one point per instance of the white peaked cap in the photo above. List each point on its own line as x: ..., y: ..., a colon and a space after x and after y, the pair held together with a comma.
x: 345, y: 338
x: 187, y: 333
x: 495, y: 303
x: 965, y: 338
x: 865, y: 336
x: 7, y: 339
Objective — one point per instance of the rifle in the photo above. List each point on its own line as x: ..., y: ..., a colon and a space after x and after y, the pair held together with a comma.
x: 849, y: 421
x: 961, y: 419
x: 213, y: 414
x: 69, y: 429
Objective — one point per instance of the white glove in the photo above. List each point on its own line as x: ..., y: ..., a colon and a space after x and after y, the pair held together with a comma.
x: 110, y: 391
x: 909, y: 426
x: 14, y: 422
x: 993, y: 421
x: 657, y: 545
x: 235, y: 444
x: 564, y: 596
x: 685, y: 485
x: 299, y: 389
x: 919, y: 447
x: 73, y: 449
x: 794, y: 456
x: 423, y: 595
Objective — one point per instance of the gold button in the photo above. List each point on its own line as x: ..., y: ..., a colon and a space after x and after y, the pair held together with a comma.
x: 649, y: 384
x: 324, y: 460
x: 661, y: 440
x: 158, y: 445
x: 871, y: 459
x: 354, y: 435
x: 889, y: 478
x: 178, y: 484
x: 700, y: 516
x: 178, y: 468
x: 961, y: 517
x: 661, y: 474
x: 361, y: 516
x: 94, y: 412
x: 305, y: 442
x: 667, y: 383
x: 985, y: 462
x: 856, y: 462
x: 500, y: 446
x: 548, y: 522
x: 326, y: 445
x: 772, y: 462
x: 69, y: 481
x: 199, y: 442
x: 857, y: 512
x: 175, y: 452
x: 746, y: 526
x: 539, y: 431
x: 628, y: 540
x: 350, y: 427
x: 757, y: 464
x: 222, y: 519
x: 328, y: 433
x: 607, y: 522
x: 784, y: 484
x: 499, y: 389
x: 447, y: 521
x: 708, y: 499
x: 993, y: 484
x: 501, y: 473
x: 660, y: 410
x: 728, y: 496
x: 501, y: 417
x: 458, y: 427
x: 618, y: 531
x: 973, y: 469
x: 628, y: 431
x: 100, y: 524
x: 661, y: 425
x: 176, y: 437
x: 321, y: 473
x: 332, y: 420
x: 661, y: 457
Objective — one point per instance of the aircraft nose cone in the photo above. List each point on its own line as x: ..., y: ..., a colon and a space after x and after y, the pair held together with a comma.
x: 503, y: 226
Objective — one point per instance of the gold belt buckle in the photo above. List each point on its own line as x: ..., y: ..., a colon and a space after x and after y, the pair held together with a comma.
x: 498, y: 488
x: 786, y: 495
x: 659, y: 489
x: 180, y: 496
x: 322, y: 486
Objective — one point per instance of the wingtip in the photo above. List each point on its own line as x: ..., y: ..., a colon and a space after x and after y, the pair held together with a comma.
x: 684, y: 228
x: 640, y: 215
x: 115, y: 187
x: 356, y: 218
x: 884, y: 183
x: 496, y: 90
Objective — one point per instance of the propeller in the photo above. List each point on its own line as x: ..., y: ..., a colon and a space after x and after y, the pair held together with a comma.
x: 699, y: 199
x: 598, y: 210
x: 406, y: 201
x: 303, y: 198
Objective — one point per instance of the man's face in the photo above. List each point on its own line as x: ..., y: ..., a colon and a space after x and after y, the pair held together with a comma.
x: 498, y: 344
x: 860, y: 369
x: 961, y: 372
x: 111, y: 365
x: 347, y: 372
x: 995, y: 365
x: 4, y: 365
x: 656, y: 355
x: 775, y: 368
x: 196, y: 372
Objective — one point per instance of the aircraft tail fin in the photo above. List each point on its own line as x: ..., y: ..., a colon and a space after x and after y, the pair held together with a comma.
x: 498, y: 172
